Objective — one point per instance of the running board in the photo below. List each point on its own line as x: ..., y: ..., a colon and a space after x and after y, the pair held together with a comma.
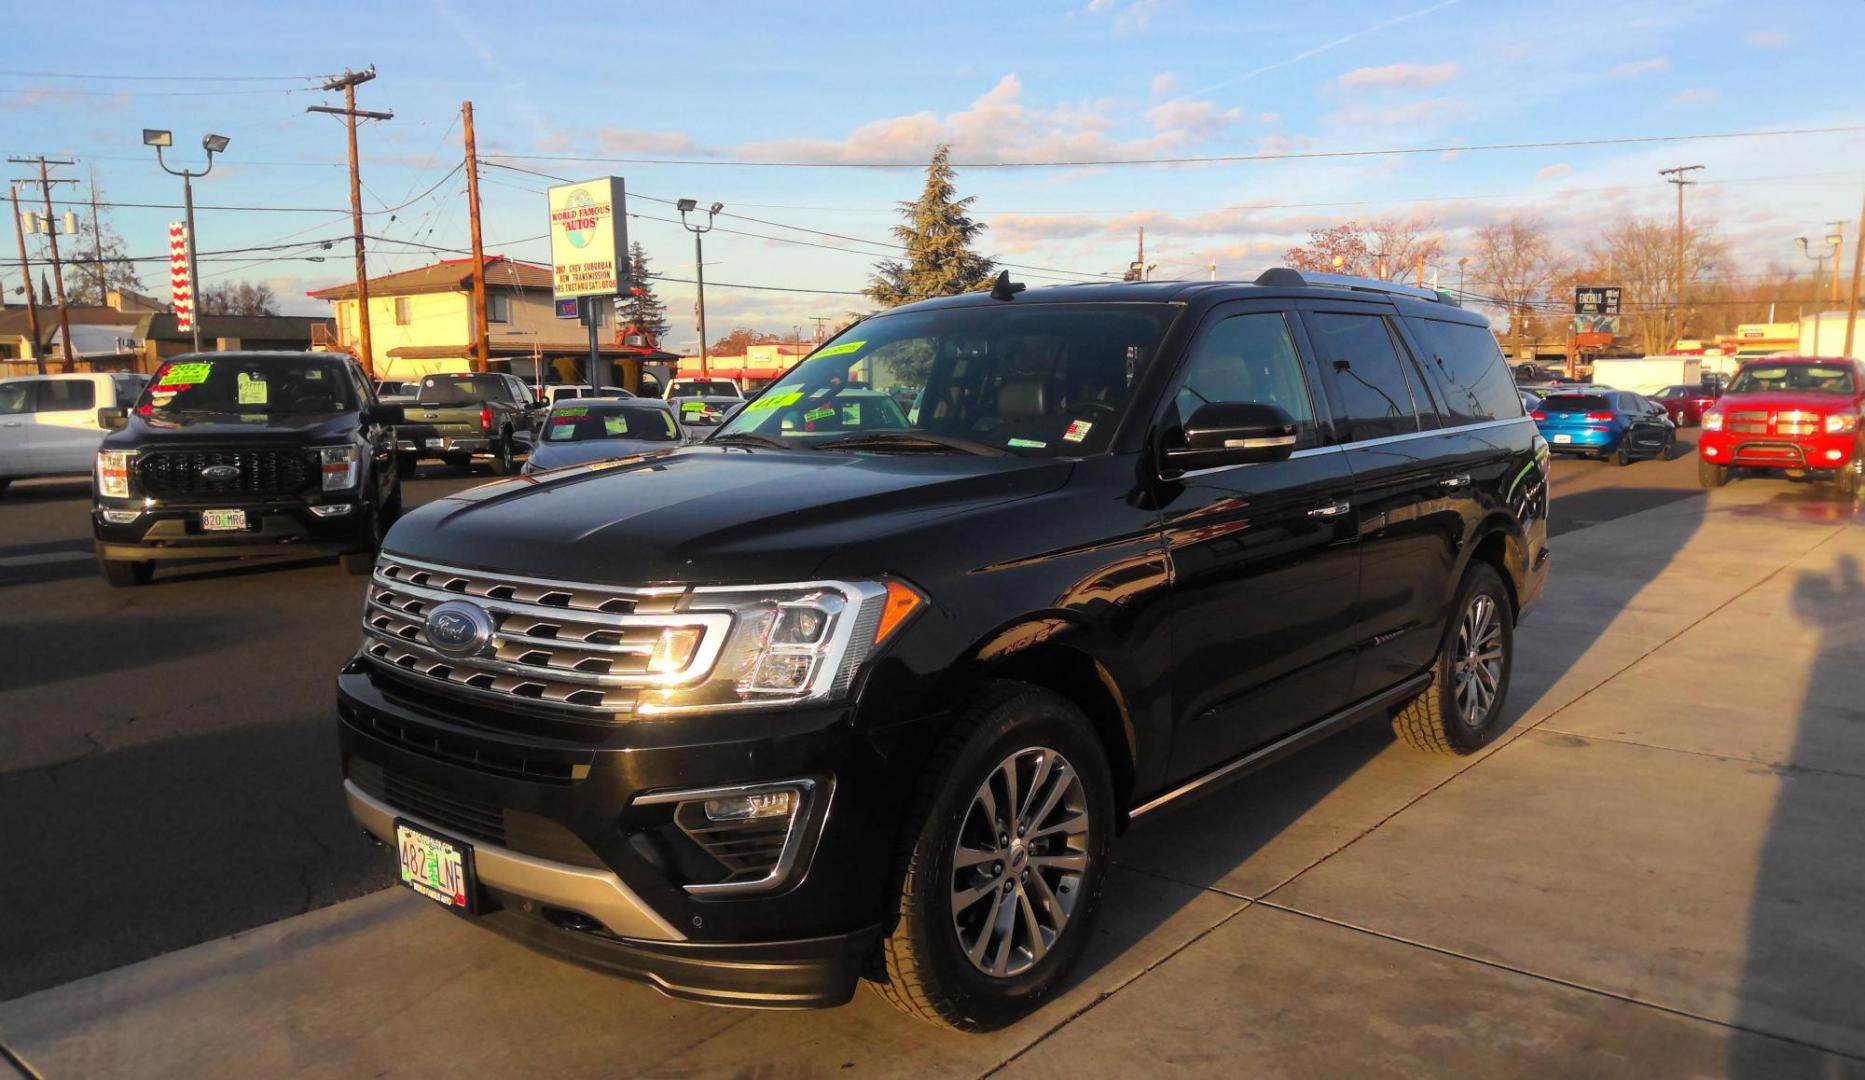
x: 1288, y: 744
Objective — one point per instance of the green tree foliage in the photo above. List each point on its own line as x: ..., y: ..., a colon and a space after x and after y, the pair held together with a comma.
x: 734, y: 343
x: 643, y: 308
x: 938, y: 235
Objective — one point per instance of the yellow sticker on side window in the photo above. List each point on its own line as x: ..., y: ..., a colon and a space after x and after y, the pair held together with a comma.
x: 251, y: 389
x: 843, y: 349
x: 186, y: 374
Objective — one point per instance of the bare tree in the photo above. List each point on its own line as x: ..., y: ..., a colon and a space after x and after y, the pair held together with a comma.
x: 1389, y: 248
x: 1516, y: 265
x: 244, y: 298
x: 1642, y: 255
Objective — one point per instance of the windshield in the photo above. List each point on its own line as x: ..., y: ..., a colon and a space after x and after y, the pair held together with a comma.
x: 587, y: 423
x: 1574, y: 403
x: 704, y: 388
x: 1042, y: 380
x: 456, y: 390
x: 1812, y: 378
x: 249, y: 386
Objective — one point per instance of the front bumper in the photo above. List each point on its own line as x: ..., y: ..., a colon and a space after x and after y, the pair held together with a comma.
x: 573, y: 861
x: 1751, y: 451
x: 276, y: 526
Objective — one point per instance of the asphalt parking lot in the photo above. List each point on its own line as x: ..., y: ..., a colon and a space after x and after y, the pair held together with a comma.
x: 1646, y: 866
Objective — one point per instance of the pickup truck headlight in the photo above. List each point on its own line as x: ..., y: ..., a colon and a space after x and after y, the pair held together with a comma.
x: 1712, y: 421
x: 339, y: 465
x: 1841, y: 423
x: 786, y: 644
x: 113, y: 473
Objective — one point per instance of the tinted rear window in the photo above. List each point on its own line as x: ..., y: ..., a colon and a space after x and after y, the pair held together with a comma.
x: 1466, y: 366
x: 1368, y: 376
x: 66, y: 395
x: 443, y: 390
x: 1573, y: 403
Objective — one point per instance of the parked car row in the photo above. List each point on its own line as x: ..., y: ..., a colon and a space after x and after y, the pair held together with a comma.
x: 50, y: 426
x: 1614, y: 425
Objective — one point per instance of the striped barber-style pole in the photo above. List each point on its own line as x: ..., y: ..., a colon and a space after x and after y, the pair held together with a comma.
x: 181, y: 285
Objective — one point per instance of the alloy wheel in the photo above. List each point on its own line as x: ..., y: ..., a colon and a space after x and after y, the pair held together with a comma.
x: 1477, y: 662
x: 1019, y: 862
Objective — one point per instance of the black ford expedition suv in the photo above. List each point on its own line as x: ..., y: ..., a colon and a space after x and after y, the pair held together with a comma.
x: 245, y: 453
x: 820, y: 699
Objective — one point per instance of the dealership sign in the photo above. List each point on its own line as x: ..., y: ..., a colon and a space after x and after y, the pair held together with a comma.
x: 1596, y: 300
x: 588, y: 238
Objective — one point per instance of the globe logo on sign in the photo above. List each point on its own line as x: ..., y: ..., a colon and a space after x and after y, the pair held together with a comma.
x: 579, y: 200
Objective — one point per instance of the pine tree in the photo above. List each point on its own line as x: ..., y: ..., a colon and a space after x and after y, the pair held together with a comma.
x: 643, y: 307
x: 938, y: 235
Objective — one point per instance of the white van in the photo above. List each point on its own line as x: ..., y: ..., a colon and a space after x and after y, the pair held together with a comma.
x: 48, y: 423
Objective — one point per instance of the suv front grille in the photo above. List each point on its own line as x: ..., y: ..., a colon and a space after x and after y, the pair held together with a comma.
x: 577, y: 648
x: 258, y: 472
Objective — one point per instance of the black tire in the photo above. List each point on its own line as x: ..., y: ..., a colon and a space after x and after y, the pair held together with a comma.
x: 1623, y: 456
x: 126, y: 573
x: 405, y: 466
x: 3, y: 485
x: 923, y: 969
x: 502, y: 460
x: 1435, y: 720
x: 1710, y: 475
x: 1847, y: 485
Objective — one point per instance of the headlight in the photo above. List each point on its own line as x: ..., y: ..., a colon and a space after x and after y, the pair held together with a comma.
x: 340, y: 465
x: 1840, y: 423
x: 113, y: 473
x: 1712, y: 421
x: 785, y: 645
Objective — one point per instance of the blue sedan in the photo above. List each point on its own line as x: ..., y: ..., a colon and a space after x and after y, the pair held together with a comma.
x: 1613, y: 424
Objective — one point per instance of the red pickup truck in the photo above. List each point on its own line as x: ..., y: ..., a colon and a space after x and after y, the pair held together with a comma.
x: 1798, y: 415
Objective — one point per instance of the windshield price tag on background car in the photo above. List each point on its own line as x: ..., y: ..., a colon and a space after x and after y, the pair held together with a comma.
x: 1026, y: 444
x: 251, y: 390
x: 179, y: 375
x: 775, y: 401
x: 823, y: 413
x: 844, y: 349
x: 1078, y: 430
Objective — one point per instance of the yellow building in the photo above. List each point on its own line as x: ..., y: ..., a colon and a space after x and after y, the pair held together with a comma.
x: 421, y: 320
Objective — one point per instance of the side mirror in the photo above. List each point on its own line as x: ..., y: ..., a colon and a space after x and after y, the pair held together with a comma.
x: 1234, y: 433
x: 540, y: 403
x: 113, y: 419
x: 387, y: 414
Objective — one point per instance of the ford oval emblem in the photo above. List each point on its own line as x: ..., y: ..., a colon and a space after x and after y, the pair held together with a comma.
x: 459, y: 628
x: 221, y: 472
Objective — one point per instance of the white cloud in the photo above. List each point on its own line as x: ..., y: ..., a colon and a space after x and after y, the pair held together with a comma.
x: 1549, y: 172
x: 1767, y: 39
x: 1129, y: 18
x: 1196, y: 119
x: 1165, y: 83
x: 1408, y: 114
x: 1696, y: 95
x: 1635, y: 68
x: 1270, y: 118
x: 1097, y: 7
x: 632, y: 140
x: 1400, y: 77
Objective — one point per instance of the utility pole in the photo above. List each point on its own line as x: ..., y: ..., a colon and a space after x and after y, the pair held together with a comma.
x: 1678, y: 176
x: 25, y: 270
x: 1838, y: 237
x: 347, y: 82
x: 820, y: 319
x: 97, y: 245
x: 45, y: 183
x: 1852, y: 295
x: 482, y: 346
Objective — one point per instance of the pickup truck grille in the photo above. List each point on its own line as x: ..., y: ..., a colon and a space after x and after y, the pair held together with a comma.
x: 259, y: 472
x: 574, y: 648
x: 1763, y: 422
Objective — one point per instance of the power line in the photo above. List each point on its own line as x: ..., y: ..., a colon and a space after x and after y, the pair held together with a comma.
x: 159, y: 78
x: 61, y: 91
x: 1204, y: 159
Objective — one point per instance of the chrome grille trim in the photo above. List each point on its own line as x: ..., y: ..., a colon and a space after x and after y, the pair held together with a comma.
x: 572, y: 655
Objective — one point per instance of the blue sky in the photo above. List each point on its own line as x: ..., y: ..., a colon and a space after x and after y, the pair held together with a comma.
x: 862, y: 83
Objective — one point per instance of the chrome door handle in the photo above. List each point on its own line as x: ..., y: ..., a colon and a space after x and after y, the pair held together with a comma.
x: 1453, y: 483
x: 1331, y: 510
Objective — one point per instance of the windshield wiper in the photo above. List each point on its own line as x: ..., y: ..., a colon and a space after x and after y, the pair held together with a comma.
x: 910, y: 440
x: 747, y: 438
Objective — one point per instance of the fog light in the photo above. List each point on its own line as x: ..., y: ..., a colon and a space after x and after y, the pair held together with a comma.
x: 673, y: 650
x: 330, y: 510
x: 1835, y: 455
x: 783, y: 671
x: 121, y: 517
x: 762, y: 804
x: 1710, y: 451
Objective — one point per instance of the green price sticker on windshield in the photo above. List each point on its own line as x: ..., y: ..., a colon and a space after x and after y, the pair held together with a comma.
x: 843, y: 349
x: 690, y: 407
x: 579, y: 410
x: 251, y: 390
x: 819, y: 414
x: 775, y: 401
x: 186, y: 374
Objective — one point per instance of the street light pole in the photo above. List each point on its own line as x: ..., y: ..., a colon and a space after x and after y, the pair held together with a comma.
x: 699, y: 269
x: 213, y: 144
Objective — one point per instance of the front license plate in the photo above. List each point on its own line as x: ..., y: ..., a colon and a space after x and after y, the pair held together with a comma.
x: 223, y: 520
x: 1563, y: 438
x: 437, y: 868
x: 436, y: 444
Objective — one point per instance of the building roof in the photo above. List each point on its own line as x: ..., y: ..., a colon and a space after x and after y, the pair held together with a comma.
x: 13, y: 320
x: 297, y: 328
x: 448, y: 275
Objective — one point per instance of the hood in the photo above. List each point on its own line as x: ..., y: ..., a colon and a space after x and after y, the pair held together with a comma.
x: 706, y: 514
x: 1776, y: 400
x: 559, y: 455
x: 292, y: 429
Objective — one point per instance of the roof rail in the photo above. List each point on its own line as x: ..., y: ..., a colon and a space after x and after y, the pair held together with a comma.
x: 1286, y: 277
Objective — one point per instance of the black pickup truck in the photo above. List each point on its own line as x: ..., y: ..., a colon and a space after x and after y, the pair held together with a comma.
x: 461, y: 417
x: 237, y: 454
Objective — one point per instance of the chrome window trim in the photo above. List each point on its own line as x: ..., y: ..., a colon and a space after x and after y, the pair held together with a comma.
x: 1342, y: 448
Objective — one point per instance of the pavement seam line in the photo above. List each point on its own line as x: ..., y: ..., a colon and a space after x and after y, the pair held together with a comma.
x: 1776, y: 767
x: 1557, y: 980
x: 1242, y: 907
x: 1513, y: 739
x: 24, y: 1067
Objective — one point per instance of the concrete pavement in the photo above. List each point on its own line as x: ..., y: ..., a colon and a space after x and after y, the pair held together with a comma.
x: 1655, y: 871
